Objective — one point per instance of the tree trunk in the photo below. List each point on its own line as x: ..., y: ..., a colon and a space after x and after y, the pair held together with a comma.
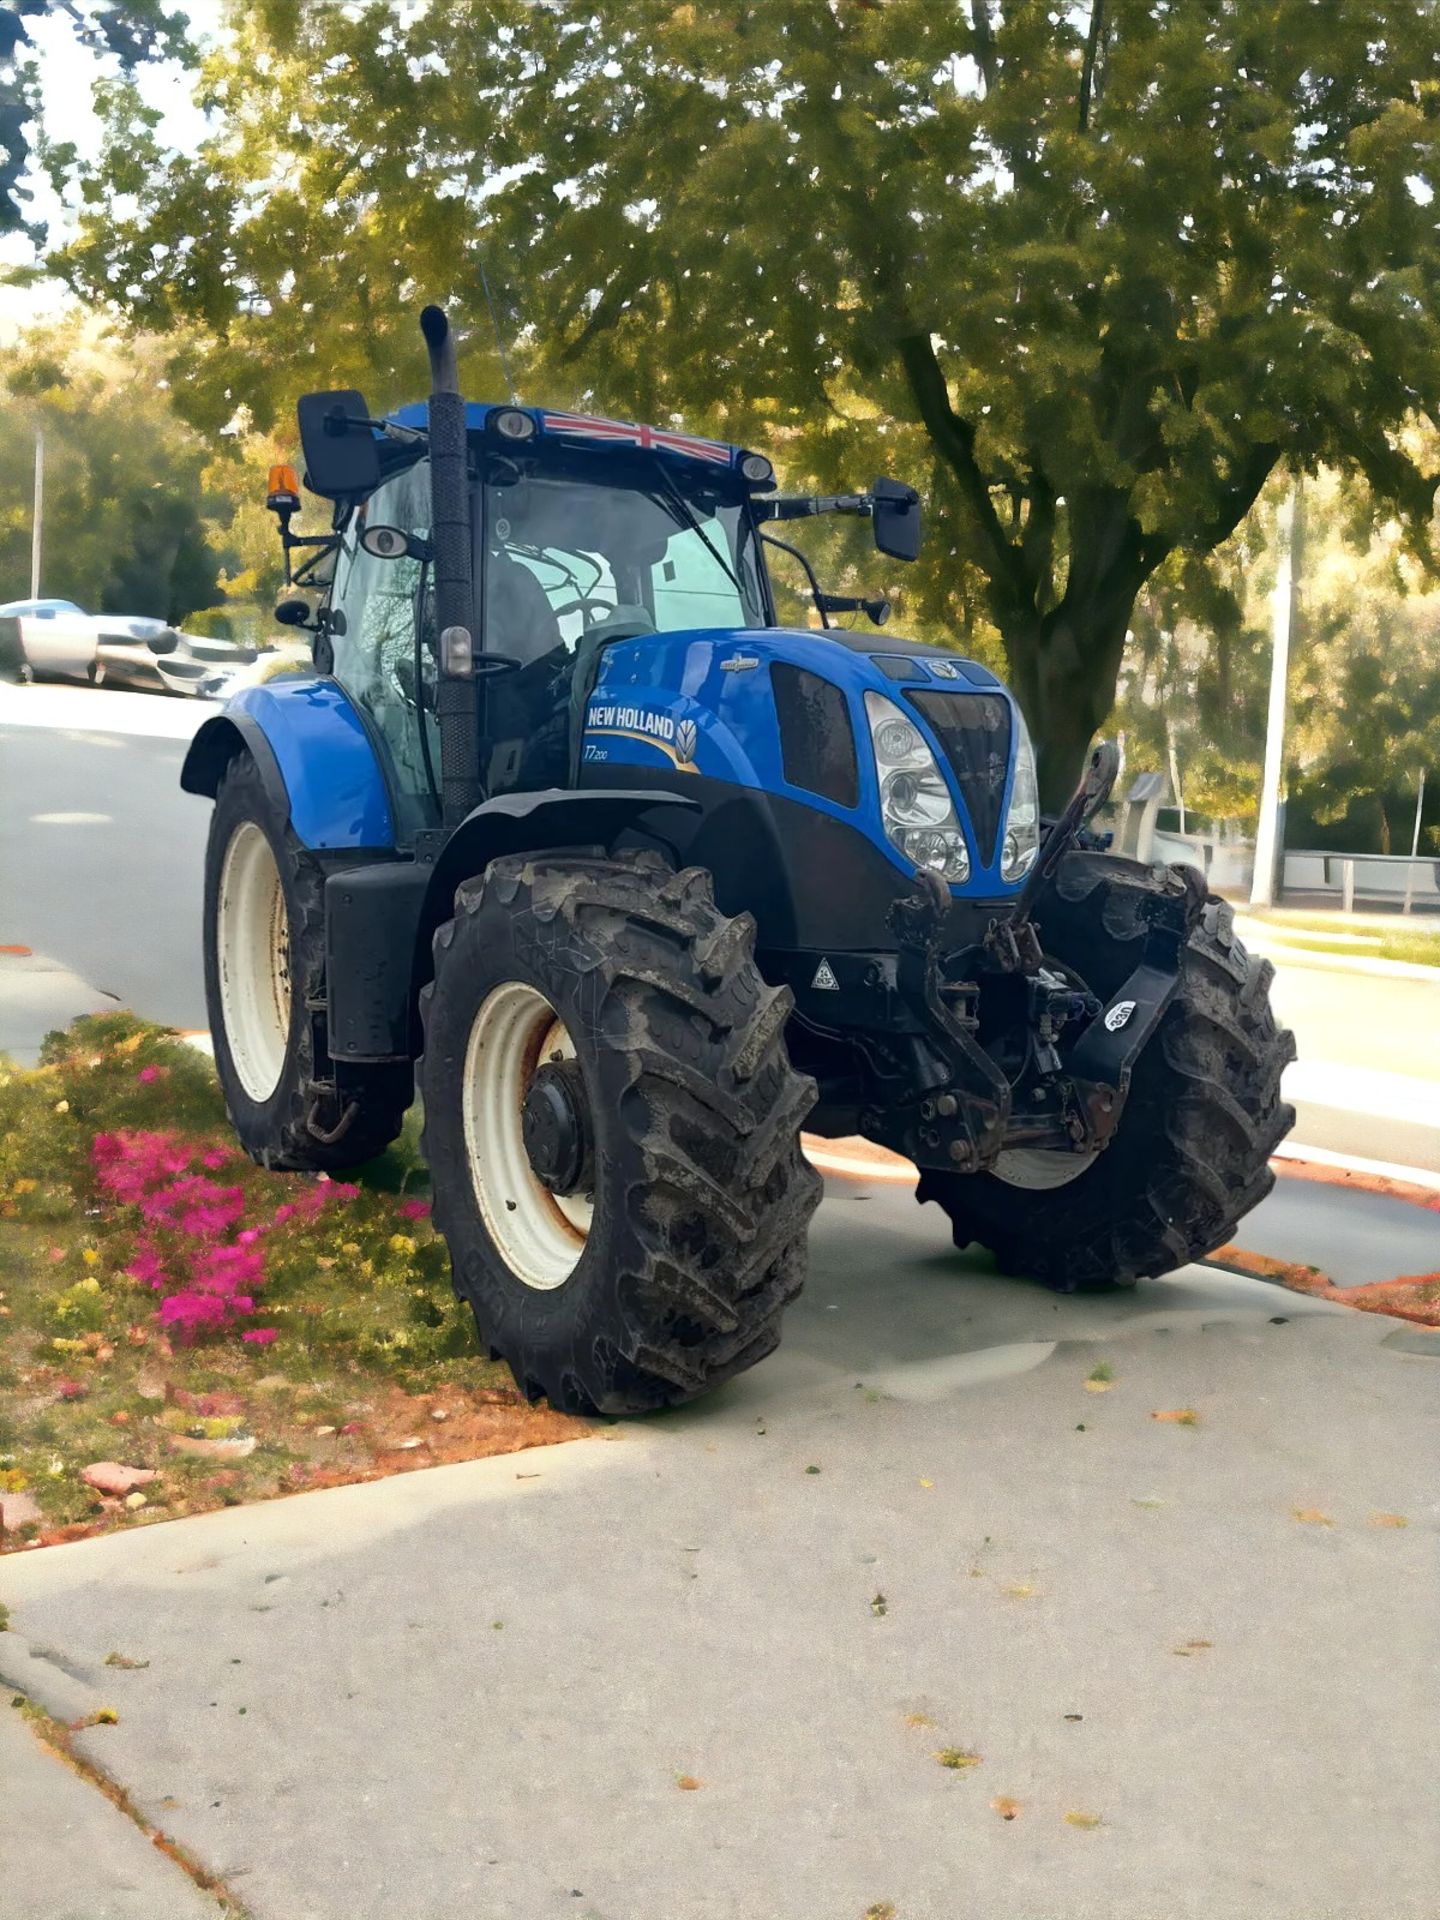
x: 1063, y: 669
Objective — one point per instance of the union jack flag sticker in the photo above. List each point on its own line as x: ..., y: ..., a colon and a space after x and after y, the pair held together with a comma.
x: 621, y: 433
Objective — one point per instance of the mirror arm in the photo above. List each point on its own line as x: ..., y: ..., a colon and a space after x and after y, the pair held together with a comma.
x: 291, y: 542
x: 804, y: 506
x: 795, y: 553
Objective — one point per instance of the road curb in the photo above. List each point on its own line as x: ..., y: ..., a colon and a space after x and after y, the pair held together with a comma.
x: 29, y: 1667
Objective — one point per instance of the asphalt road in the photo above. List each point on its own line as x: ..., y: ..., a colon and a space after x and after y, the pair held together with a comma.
x: 101, y: 855
x: 911, y: 1536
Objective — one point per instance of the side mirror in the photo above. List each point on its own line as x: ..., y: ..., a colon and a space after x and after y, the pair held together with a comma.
x: 165, y: 642
x: 342, y: 459
x: 895, y: 514
x: 293, y: 613
x: 393, y: 543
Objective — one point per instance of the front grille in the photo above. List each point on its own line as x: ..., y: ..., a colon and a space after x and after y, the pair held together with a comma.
x: 974, y: 733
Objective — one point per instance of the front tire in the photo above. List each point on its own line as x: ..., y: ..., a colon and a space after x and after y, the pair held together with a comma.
x: 1190, y: 1156
x: 608, y: 1001
x: 265, y: 992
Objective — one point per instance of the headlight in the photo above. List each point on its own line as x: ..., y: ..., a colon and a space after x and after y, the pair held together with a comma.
x: 1021, y: 841
x: 916, y: 809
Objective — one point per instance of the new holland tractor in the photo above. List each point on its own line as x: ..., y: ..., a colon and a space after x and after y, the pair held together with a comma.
x: 635, y: 883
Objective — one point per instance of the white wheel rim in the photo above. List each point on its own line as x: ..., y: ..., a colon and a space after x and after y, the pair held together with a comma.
x: 540, y: 1235
x: 252, y: 942
x: 1040, y: 1169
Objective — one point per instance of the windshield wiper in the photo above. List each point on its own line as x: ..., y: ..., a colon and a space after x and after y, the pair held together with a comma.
x: 680, y: 507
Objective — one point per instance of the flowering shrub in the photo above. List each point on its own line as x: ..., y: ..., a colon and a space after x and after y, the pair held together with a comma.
x: 157, y: 1287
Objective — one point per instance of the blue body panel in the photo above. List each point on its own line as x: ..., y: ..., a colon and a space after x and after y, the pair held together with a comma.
x: 337, y: 791
x: 669, y: 700
x: 666, y: 701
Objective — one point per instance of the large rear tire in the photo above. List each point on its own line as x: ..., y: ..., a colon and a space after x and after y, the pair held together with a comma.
x: 265, y: 991
x: 1191, y: 1154
x: 607, y: 1005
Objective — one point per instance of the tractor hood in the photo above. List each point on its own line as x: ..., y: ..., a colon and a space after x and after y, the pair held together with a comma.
x: 785, y: 711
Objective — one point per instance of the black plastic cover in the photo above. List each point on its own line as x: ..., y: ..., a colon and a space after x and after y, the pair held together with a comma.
x: 817, y: 742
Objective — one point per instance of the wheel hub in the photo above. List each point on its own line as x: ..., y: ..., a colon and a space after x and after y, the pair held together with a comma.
x: 555, y: 1126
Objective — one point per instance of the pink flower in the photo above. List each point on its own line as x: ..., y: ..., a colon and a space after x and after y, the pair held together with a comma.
x: 414, y: 1210
x: 147, y: 1267
x: 344, y: 1190
x: 261, y: 1336
x: 147, y: 1076
x: 193, y: 1313
x: 216, y: 1157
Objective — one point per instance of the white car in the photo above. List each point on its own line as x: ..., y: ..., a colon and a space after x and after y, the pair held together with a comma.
x: 56, y: 640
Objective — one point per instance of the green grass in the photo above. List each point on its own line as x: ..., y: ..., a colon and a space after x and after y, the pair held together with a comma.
x: 367, y: 1328
x: 1385, y: 937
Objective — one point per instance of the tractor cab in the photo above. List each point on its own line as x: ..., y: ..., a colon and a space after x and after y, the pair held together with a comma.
x: 582, y: 532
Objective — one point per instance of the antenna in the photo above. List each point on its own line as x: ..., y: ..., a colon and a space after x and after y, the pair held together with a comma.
x: 495, y: 323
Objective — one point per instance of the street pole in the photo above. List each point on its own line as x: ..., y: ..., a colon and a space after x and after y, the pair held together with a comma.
x: 1282, y: 608
x: 37, y: 518
x: 1415, y: 843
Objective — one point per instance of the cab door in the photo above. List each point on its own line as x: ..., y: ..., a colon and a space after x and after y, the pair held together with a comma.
x: 374, y: 611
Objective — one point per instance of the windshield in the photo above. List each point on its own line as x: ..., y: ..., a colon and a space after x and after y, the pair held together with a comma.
x: 632, y: 548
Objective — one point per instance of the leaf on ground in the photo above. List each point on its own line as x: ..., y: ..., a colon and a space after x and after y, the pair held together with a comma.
x: 124, y: 1660
x: 1076, y: 1817
x: 882, y: 1910
x: 1020, y: 1591
x: 1100, y: 1375
x: 1098, y: 1386
x: 1311, y: 1517
x: 812, y: 1469
x: 1148, y: 1500
x: 101, y: 1717
x: 879, y: 1606
x: 957, y: 1759
x: 1192, y: 1646
x: 915, y: 1720
x: 1388, y: 1520
x: 1178, y: 1416
x: 927, y: 1484
x: 1005, y: 1806
x: 687, y: 1783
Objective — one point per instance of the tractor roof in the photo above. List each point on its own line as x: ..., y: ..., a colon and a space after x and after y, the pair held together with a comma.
x: 589, y: 430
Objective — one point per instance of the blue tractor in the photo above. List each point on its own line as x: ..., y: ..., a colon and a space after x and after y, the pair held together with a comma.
x: 636, y: 883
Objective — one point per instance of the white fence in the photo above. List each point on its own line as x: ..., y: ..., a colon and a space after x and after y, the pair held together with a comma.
x: 1382, y: 879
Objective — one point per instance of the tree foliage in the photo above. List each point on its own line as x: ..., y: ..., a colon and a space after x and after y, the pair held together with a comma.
x: 131, y: 30
x: 141, y: 513
x: 1089, y: 272
x: 1364, y: 705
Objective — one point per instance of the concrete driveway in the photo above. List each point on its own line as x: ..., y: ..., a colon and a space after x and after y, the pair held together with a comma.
x: 487, y: 1689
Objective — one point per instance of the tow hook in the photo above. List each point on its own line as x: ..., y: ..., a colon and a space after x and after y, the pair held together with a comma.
x: 975, y: 1116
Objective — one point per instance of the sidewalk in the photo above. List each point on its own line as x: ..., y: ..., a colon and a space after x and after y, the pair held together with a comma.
x: 701, y: 1668
x: 67, y: 1854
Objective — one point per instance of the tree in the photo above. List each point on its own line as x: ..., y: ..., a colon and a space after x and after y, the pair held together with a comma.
x: 131, y: 30
x: 1364, y: 708
x: 1366, y: 688
x: 137, y: 511
x: 1097, y: 269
